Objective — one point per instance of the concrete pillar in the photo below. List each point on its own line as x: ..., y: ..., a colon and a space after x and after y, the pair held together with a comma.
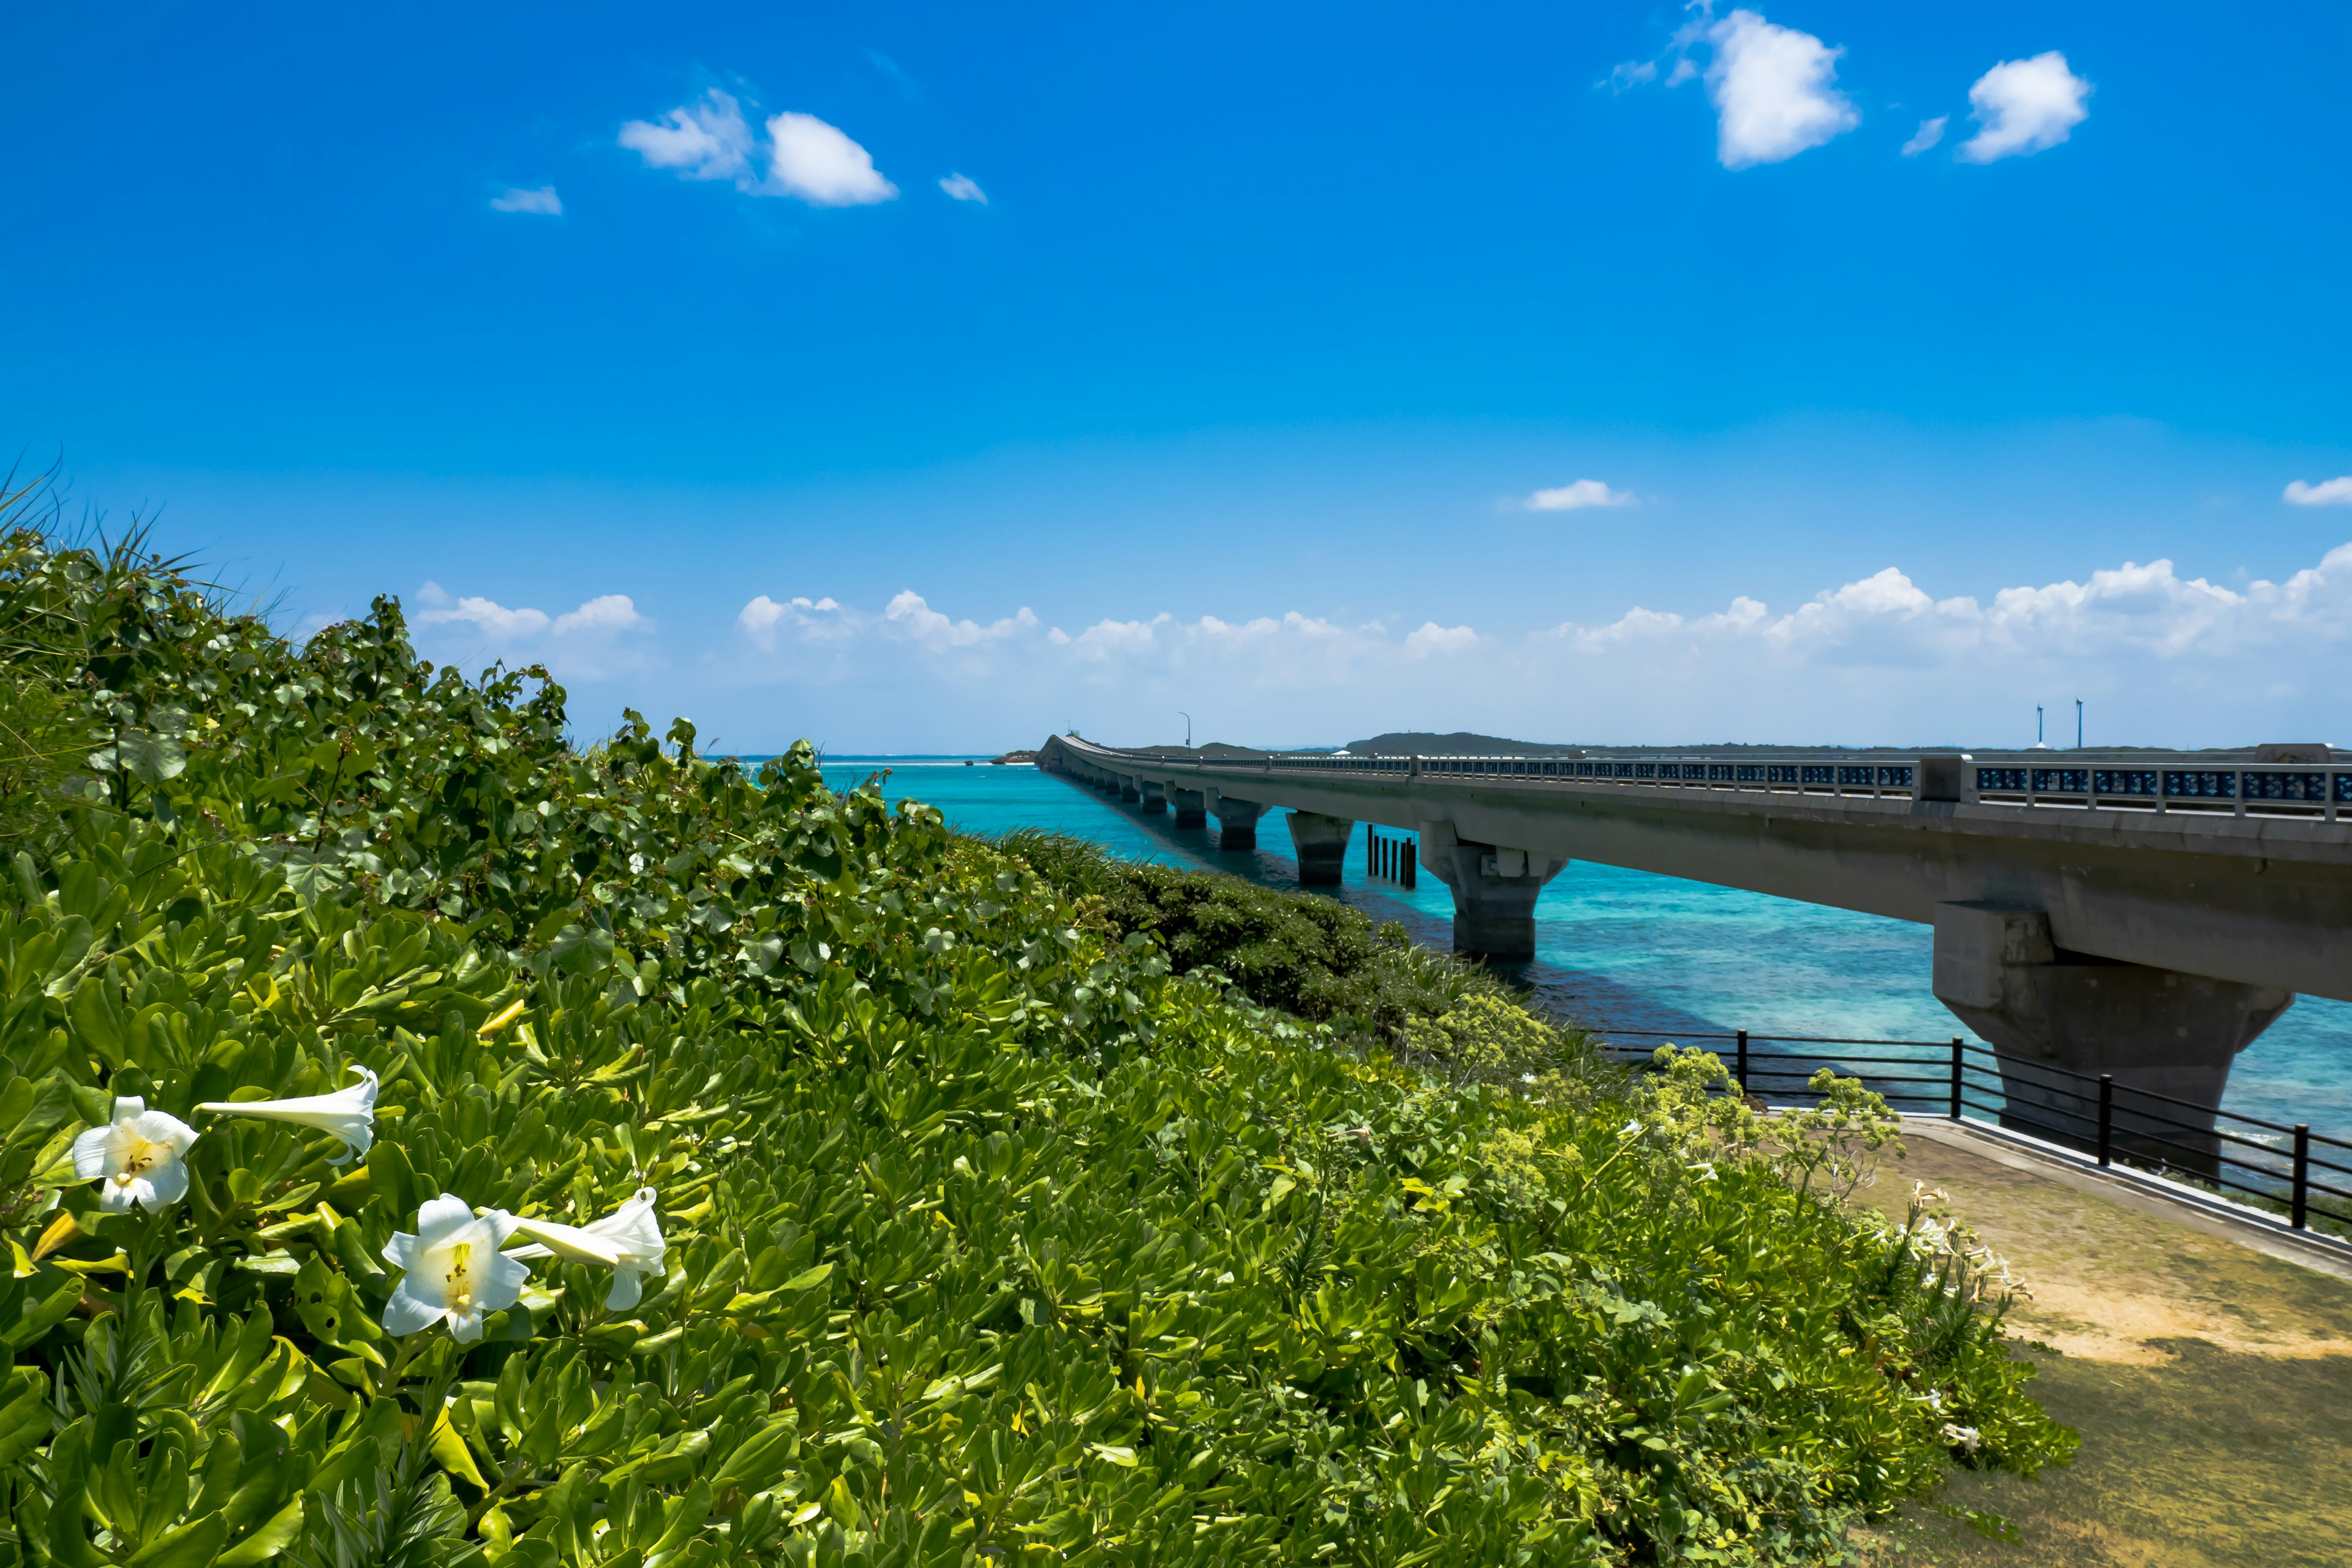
x: 1236, y: 822
x: 1321, y: 843
x: 1127, y: 792
x: 2043, y: 1007
x: 1495, y: 888
x: 1191, y: 806
x: 1155, y: 797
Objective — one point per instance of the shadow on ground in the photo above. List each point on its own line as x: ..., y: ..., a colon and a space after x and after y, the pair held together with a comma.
x: 2212, y: 1386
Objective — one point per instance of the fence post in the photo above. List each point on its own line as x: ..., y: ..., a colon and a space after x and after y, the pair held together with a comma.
x: 1957, y: 1049
x: 1743, y: 1061
x: 2302, y: 1173
x: 2106, y: 1117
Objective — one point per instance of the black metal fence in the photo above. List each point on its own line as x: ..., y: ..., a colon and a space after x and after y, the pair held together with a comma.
x: 2307, y: 1176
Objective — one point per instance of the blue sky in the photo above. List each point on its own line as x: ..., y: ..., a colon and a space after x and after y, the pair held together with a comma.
x: 602, y: 336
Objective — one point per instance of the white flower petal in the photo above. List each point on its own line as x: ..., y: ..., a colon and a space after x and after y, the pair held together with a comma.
x: 465, y: 1326
x: 161, y: 1127
x: 400, y: 1250
x: 168, y: 1184
x: 89, y: 1152
x: 405, y: 1313
x: 628, y: 1289
x: 502, y: 1282
x: 129, y: 1107
x: 440, y: 1219
x: 116, y: 1197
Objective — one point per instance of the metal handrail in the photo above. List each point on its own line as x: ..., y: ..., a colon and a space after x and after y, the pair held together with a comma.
x: 2288, y: 1174
x: 2192, y: 783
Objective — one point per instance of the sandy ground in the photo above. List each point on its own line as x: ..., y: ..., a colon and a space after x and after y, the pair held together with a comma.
x: 2212, y: 1385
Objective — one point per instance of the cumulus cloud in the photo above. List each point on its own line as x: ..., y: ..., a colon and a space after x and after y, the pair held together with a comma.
x: 805, y: 158
x: 2327, y: 492
x: 2025, y: 107
x: 1930, y: 132
x: 540, y: 199
x: 816, y: 163
x: 708, y: 139
x: 1772, y: 87
x: 1579, y: 494
x: 2167, y: 657
x: 964, y: 189
x: 1432, y: 638
x: 603, y: 634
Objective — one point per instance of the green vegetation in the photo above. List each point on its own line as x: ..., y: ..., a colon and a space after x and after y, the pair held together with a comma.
x: 883, y: 1203
x: 1313, y: 957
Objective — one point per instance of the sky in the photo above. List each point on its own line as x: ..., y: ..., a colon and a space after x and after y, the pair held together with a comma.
x: 924, y: 378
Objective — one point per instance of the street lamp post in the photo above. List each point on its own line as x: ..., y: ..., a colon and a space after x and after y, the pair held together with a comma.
x: 1187, y: 729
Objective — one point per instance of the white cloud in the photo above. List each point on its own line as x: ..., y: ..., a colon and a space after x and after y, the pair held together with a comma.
x: 1570, y: 496
x: 2166, y: 659
x: 2327, y: 492
x: 1930, y: 132
x: 540, y: 199
x: 1631, y: 73
x: 2024, y: 106
x: 1771, y: 89
x: 703, y: 141
x: 1433, y: 639
x: 964, y: 188
x: 604, y: 635
x: 815, y: 162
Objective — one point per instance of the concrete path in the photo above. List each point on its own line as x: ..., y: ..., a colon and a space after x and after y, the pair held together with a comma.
x: 2211, y: 1382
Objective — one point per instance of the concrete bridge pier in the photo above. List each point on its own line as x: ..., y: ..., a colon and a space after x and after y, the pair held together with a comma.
x: 1236, y: 822
x: 1127, y: 792
x: 1321, y: 843
x: 2044, y: 1007
x: 1495, y: 889
x: 1191, y: 806
x: 1155, y: 797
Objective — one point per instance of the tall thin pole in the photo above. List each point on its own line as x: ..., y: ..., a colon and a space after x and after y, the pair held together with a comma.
x: 2078, y: 723
x: 1187, y: 729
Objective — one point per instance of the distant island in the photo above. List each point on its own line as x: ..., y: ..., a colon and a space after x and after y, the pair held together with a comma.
x: 1011, y: 759
x: 1460, y: 743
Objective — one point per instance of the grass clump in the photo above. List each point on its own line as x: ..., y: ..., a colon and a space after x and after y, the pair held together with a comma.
x: 983, y: 1235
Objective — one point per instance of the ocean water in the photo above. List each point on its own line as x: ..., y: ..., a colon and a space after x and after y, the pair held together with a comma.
x: 1619, y: 949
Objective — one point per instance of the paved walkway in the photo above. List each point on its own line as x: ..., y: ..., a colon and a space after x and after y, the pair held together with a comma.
x: 2211, y: 1382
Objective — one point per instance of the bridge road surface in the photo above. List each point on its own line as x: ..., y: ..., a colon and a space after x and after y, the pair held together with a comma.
x: 2140, y: 913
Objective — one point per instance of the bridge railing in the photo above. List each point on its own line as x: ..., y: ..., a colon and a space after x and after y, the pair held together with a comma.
x: 2302, y: 1176
x: 2193, y: 784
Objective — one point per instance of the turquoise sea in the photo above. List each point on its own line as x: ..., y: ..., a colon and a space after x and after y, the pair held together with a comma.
x: 1621, y: 950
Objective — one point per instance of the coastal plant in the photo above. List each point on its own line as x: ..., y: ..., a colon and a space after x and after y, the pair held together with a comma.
x: 622, y: 1156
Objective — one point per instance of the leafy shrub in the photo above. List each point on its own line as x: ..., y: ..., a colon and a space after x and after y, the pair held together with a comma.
x: 1312, y: 956
x: 984, y: 1238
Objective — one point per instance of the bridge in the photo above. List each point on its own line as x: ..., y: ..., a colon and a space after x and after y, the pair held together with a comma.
x: 2140, y: 913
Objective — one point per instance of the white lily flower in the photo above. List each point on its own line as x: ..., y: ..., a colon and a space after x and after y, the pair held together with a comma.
x: 348, y: 1113
x: 453, y: 1269
x: 1964, y: 1439
x: 564, y: 1241
x: 139, y: 1154
x: 628, y: 1241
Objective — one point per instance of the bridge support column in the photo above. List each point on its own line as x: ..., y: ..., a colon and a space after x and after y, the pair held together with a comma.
x: 1191, y: 806
x: 2046, y: 1008
x: 1495, y: 888
x: 1236, y: 822
x: 1127, y: 792
x: 1322, y: 845
x: 1155, y: 797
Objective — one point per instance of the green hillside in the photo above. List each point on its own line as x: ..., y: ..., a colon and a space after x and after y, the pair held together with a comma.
x: 610, y: 1155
